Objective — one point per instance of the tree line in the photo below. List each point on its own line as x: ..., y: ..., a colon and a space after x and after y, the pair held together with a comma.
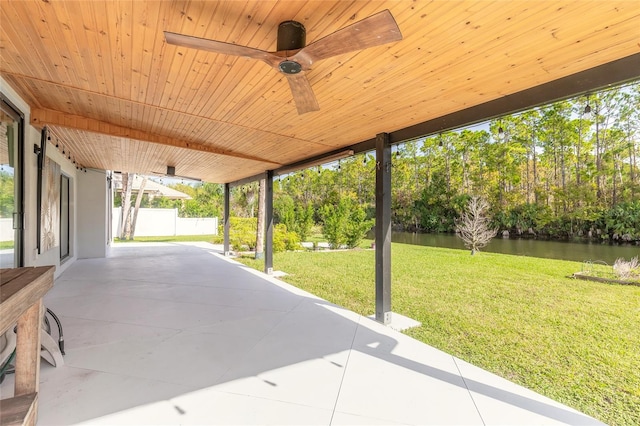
x: 568, y: 169
x: 563, y: 170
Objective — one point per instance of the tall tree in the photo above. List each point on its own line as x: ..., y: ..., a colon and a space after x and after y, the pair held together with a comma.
x: 554, y: 167
x: 139, y: 196
x: 127, y: 184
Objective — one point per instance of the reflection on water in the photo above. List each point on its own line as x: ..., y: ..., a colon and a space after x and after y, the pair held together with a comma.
x: 524, y: 247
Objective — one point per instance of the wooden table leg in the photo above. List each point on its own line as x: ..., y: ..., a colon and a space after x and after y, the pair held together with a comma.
x: 21, y: 291
x: 27, y: 374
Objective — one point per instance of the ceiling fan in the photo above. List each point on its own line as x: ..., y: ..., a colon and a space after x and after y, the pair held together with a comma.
x: 293, y: 58
x: 171, y: 173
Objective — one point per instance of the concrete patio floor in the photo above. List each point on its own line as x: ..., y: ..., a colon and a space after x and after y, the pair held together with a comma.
x: 178, y: 334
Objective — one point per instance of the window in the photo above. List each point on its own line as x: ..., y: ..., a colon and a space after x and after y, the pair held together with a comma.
x: 11, y: 206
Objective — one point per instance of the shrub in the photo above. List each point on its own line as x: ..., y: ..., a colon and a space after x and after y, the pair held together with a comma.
x: 626, y: 269
x: 284, y: 210
x: 623, y: 219
x: 295, y: 217
x: 357, y: 226
x: 304, y: 221
x: 284, y: 240
x: 242, y: 232
x: 335, y: 221
x: 345, y: 222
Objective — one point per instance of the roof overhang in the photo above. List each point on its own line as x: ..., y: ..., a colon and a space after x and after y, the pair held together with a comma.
x: 101, y: 76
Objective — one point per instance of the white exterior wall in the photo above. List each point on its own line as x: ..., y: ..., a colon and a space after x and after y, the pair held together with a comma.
x: 165, y: 223
x: 52, y: 257
x: 93, y: 219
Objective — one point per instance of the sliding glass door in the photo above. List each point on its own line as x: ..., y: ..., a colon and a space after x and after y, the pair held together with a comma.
x: 11, y: 208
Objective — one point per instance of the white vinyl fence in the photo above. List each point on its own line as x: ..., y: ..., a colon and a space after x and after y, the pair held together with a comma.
x: 6, y: 229
x: 165, y: 222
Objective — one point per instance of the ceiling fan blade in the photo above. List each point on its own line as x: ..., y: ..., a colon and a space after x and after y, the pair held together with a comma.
x: 375, y: 30
x: 302, y: 92
x: 221, y: 47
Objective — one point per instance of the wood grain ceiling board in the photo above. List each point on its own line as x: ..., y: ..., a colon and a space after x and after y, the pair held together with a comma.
x: 482, y: 81
x: 129, y: 155
x: 108, y: 61
x: 265, y: 149
x: 180, y: 125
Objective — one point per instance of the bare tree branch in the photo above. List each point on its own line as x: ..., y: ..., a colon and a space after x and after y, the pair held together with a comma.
x: 474, y: 225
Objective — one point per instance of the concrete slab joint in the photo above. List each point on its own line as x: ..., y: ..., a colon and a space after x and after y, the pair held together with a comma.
x: 397, y: 322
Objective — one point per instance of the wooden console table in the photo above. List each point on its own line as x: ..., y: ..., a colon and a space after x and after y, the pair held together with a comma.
x: 21, y: 292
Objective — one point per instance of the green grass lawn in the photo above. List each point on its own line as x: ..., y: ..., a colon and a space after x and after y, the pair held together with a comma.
x: 575, y: 341
x: 5, y: 245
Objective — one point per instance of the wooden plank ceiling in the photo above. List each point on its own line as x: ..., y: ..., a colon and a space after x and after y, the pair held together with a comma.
x: 118, y: 97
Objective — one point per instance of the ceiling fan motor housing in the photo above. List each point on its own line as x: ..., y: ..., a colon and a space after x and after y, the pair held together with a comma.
x: 291, y: 36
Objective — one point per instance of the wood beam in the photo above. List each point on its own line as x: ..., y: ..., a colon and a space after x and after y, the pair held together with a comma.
x: 247, y: 180
x: 47, y: 117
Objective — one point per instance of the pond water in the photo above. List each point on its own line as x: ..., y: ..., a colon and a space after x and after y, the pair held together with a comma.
x: 577, y: 251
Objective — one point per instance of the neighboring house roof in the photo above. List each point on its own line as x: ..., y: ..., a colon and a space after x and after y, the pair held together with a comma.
x: 152, y: 188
